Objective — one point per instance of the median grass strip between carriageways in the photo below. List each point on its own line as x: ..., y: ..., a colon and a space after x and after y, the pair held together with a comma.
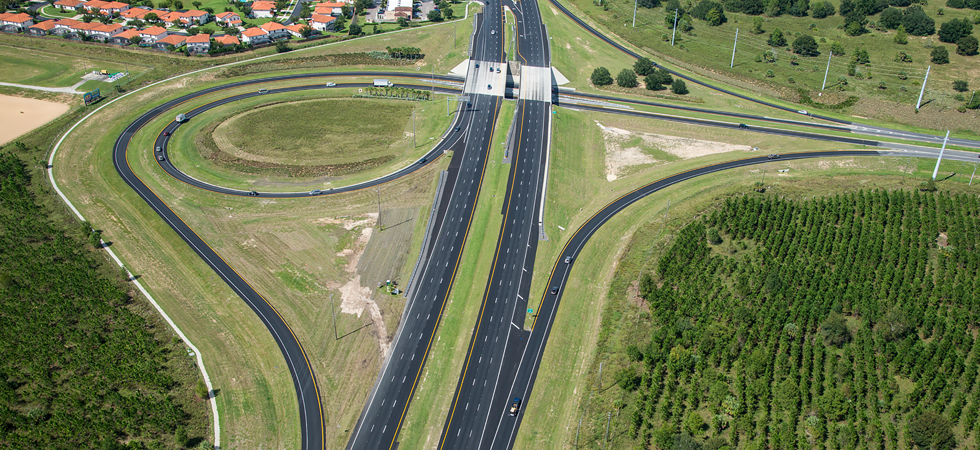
x: 256, y: 399
x: 433, y: 396
x: 553, y: 409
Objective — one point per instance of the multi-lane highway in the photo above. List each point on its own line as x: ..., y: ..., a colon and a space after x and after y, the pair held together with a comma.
x: 389, y: 400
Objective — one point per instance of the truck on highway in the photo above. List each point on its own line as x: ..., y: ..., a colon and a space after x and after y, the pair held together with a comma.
x: 382, y: 82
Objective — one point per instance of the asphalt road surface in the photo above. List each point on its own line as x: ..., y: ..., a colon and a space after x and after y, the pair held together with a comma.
x: 383, y: 415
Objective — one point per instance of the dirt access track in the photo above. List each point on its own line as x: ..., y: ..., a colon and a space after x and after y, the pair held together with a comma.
x: 20, y: 115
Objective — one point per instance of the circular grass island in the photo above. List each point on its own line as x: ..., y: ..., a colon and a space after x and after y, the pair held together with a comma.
x: 291, y: 142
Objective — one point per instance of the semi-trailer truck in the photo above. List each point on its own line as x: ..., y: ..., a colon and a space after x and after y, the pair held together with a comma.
x: 381, y: 82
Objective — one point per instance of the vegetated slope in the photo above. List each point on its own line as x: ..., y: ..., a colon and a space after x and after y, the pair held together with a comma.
x: 848, y: 321
x: 78, y: 367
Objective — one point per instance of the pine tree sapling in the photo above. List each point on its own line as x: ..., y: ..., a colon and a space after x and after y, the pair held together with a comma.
x: 961, y: 86
x: 901, y: 37
x: 776, y: 38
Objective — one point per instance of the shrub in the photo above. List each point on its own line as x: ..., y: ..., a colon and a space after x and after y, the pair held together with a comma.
x: 627, y: 379
x: 601, y: 77
x: 939, y: 55
x: 757, y: 26
x: 901, y: 37
x: 713, y: 236
x: 837, y: 48
x: 861, y: 56
x: 626, y: 78
x: 890, y: 18
x: 282, y: 47
x: 967, y: 46
x: 952, y: 31
x: 805, y: 46
x: 769, y: 56
x: 790, y: 80
x: 820, y: 10
x: 960, y: 86
x: 882, y: 86
x: 842, y: 80
x: 776, y: 38
x: 643, y: 67
x: 917, y: 22
x: 770, y: 73
x: 956, y: 3
x: 679, y: 87
x: 903, y: 57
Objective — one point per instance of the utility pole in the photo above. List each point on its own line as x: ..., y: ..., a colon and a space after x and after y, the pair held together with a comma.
x: 936, y: 170
x: 634, y: 12
x: 380, y: 226
x: 576, y: 432
x: 822, y: 86
x: 732, y: 65
x: 413, y: 128
x: 433, y: 81
x: 606, y: 437
x: 974, y: 173
x: 675, y: 29
x: 334, y: 312
x: 923, y: 90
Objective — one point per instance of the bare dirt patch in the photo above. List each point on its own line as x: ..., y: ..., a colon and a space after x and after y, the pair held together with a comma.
x: 20, y: 115
x: 355, y: 298
x: 625, y: 148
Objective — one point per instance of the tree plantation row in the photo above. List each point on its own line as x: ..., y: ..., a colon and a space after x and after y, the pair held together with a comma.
x: 79, y: 368
x: 847, y: 322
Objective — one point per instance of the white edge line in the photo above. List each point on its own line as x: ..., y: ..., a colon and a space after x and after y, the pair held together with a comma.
x: 183, y: 337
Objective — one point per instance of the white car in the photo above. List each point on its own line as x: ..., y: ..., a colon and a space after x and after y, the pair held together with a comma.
x: 331, y: 84
x: 492, y: 32
x: 804, y: 112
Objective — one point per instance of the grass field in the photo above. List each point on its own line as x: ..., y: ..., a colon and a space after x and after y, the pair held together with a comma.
x: 433, y: 396
x: 52, y: 69
x: 707, y: 50
x: 615, y: 254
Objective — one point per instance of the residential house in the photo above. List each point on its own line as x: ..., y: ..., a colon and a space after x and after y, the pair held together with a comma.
x: 255, y: 36
x: 125, y: 37
x: 15, y: 22
x: 171, y: 41
x: 70, y: 4
x: 262, y: 9
x: 136, y: 13
x: 329, y: 8
x: 297, y: 29
x: 104, y: 32
x: 321, y: 22
x: 187, y: 18
x: 42, y: 28
x: 228, y: 19
x: 276, y: 30
x: 106, y: 8
x: 153, y: 34
x: 198, y: 43
x: 226, y: 40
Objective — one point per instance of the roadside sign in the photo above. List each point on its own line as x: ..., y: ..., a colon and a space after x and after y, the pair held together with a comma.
x: 529, y: 310
x: 91, y: 97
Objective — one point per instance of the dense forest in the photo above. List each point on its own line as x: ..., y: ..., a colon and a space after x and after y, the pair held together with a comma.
x: 847, y: 322
x: 79, y: 368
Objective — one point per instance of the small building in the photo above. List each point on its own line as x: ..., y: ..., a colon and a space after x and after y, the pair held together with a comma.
x: 42, y: 28
x: 276, y: 30
x: 255, y: 36
x: 226, y: 40
x: 262, y: 9
x: 136, y: 13
x: 198, y: 43
x: 124, y: 38
x: 330, y: 8
x: 321, y: 22
x: 296, y: 30
x: 104, y: 32
x: 171, y: 41
x: 152, y: 34
x: 228, y: 19
x: 15, y: 22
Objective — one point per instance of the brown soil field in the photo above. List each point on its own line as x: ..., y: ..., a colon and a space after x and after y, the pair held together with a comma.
x: 20, y: 115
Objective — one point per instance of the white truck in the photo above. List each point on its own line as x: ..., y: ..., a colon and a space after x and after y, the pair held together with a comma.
x: 180, y: 118
x: 382, y: 82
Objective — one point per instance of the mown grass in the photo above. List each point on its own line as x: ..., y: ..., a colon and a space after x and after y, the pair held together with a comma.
x: 594, y: 304
x: 708, y: 50
x: 188, y: 153
x: 50, y: 69
x: 433, y: 396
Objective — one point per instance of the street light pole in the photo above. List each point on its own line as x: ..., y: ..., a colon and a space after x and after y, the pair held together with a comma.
x: 732, y: 65
x: 822, y: 86
x: 634, y: 12
x: 936, y: 170
x: 923, y: 90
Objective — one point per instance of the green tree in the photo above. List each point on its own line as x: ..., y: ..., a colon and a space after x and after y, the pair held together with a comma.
x: 932, y: 431
x: 601, y: 77
x: 678, y: 87
x: 355, y: 29
x: 757, y: 26
x: 435, y: 16
x: 339, y: 23
x: 180, y: 434
x: 201, y: 390
x: 402, y: 22
x: 643, y: 66
x: 861, y: 56
x: 901, y: 37
x: 939, y: 55
x: 282, y: 47
x: 834, y: 330
x: 890, y: 18
x: 894, y: 325
x: 776, y: 38
x: 837, y: 48
x: 823, y: 9
x: 805, y: 45
x: 716, y: 17
x: 713, y: 236
x: 135, y: 40
x: 952, y: 31
x: 151, y: 17
x: 694, y: 423
x: 967, y: 46
x: 627, y: 379
x: 626, y: 78
x: 917, y: 22
x: 94, y: 238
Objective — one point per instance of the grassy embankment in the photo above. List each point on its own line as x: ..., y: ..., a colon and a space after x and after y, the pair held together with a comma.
x: 323, y: 154
x: 433, y: 396
x: 257, y: 402
x: 707, y: 52
x: 569, y: 366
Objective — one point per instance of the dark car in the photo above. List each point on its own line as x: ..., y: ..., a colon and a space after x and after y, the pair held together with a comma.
x: 468, y: 104
x: 477, y: 65
x: 515, y: 406
x: 489, y: 87
x: 773, y: 156
x: 253, y: 193
x: 423, y: 160
x: 742, y: 125
x: 554, y: 290
x: 457, y: 128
